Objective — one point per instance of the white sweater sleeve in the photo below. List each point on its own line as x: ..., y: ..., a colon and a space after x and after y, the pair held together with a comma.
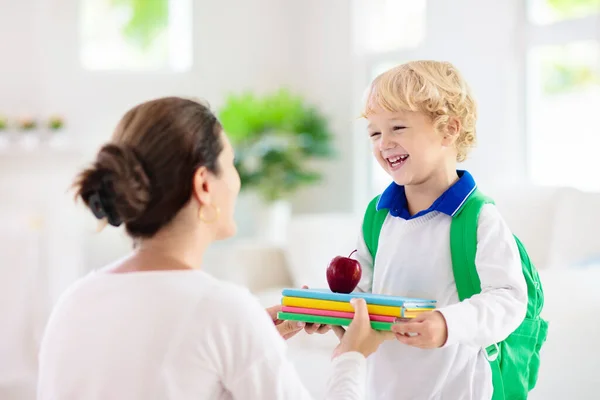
x: 251, y: 357
x: 492, y: 315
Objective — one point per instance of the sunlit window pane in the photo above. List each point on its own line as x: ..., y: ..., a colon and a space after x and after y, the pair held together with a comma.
x: 564, y: 101
x: 395, y: 24
x: 550, y: 11
x: 136, y: 35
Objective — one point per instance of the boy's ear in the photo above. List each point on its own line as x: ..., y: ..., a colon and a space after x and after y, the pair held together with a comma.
x: 452, y: 132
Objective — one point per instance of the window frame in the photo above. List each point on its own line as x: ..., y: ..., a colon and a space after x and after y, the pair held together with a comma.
x: 538, y: 35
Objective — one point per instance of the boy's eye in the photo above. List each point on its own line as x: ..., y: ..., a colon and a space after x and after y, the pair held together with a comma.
x: 399, y: 127
x: 373, y: 134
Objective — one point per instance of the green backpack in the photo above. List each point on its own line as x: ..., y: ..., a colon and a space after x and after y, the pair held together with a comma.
x: 515, y: 361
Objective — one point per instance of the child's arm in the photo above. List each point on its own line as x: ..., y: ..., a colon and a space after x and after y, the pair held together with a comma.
x: 492, y: 315
x: 363, y: 256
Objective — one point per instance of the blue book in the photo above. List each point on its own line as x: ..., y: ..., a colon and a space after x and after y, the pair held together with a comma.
x: 370, y: 298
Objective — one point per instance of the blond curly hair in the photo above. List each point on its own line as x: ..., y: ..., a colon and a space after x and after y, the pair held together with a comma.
x: 435, y: 88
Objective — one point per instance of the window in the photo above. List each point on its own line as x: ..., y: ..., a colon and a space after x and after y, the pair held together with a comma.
x: 132, y: 35
x: 388, y: 30
x: 394, y: 25
x: 542, y: 12
x: 563, y: 93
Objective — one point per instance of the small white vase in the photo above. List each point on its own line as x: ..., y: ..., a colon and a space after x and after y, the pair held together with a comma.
x: 272, y: 221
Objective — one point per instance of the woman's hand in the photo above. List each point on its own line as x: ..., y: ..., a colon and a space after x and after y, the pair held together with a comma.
x: 286, y: 329
x: 360, y: 336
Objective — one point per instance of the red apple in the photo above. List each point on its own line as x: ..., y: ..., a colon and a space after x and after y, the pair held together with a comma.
x: 343, y: 274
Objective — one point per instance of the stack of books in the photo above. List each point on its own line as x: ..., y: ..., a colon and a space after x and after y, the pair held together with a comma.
x: 322, y: 306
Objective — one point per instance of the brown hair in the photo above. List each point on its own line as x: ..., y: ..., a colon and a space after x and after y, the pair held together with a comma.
x: 143, y: 176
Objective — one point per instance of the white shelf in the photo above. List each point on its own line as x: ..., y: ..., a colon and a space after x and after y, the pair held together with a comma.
x: 33, y: 145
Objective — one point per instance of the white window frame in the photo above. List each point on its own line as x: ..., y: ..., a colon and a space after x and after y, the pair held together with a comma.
x: 551, y: 34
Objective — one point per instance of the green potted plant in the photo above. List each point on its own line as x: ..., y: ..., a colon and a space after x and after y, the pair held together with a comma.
x: 3, y: 124
x: 55, y: 123
x: 276, y: 137
x: 27, y: 124
x: 4, y: 134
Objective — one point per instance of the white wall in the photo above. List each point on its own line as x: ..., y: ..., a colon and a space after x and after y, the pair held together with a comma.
x: 327, y: 61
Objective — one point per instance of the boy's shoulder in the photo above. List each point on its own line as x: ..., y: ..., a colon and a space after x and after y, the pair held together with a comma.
x: 490, y: 218
x: 480, y: 219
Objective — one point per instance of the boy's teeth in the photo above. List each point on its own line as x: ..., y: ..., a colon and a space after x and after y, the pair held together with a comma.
x: 397, y: 158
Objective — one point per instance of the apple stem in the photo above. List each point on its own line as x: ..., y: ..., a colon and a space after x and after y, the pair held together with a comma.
x: 352, y: 253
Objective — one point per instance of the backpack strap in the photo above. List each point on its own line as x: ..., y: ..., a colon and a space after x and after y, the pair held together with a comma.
x: 463, y: 244
x: 372, y: 223
x: 463, y: 247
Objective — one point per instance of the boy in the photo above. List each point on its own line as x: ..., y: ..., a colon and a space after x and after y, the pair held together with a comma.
x: 422, y: 120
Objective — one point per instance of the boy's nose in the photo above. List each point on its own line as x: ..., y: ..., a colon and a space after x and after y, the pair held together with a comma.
x: 386, y: 143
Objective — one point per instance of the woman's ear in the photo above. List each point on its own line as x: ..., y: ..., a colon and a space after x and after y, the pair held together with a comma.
x: 452, y: 132
x: 201, y: 186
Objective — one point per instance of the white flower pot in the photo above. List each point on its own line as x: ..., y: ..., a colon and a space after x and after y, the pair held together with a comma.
x: 258, y: 219
x: 272, y: 221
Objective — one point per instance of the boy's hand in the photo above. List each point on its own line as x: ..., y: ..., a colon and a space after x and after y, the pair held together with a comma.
x: 427, y: 331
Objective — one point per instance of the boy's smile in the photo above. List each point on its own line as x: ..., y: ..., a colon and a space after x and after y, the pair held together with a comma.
x: 396, y: 161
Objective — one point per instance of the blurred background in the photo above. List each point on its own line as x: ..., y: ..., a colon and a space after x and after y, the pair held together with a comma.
x: 287, y: 80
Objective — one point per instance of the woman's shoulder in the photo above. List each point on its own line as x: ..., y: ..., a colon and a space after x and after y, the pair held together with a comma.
x: 186, y: 294
x: 229, y: 295
x: 178, y: 285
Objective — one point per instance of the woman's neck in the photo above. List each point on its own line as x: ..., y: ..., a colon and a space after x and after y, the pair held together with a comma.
x: 167, y: 250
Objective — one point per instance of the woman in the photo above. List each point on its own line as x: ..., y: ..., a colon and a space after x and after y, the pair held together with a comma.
x: 154, y: 325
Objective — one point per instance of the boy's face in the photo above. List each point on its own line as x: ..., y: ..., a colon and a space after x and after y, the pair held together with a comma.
x: 407, y: 145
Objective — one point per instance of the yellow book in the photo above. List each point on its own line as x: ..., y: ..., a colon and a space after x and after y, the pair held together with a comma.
x: 414, y: 314
x: 339, y: 306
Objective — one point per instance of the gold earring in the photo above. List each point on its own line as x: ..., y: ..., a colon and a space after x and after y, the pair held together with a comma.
x: 209, y: 221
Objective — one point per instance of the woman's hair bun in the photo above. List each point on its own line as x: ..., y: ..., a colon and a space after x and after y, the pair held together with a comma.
x: 116, y: 186
x: 144, y: 176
